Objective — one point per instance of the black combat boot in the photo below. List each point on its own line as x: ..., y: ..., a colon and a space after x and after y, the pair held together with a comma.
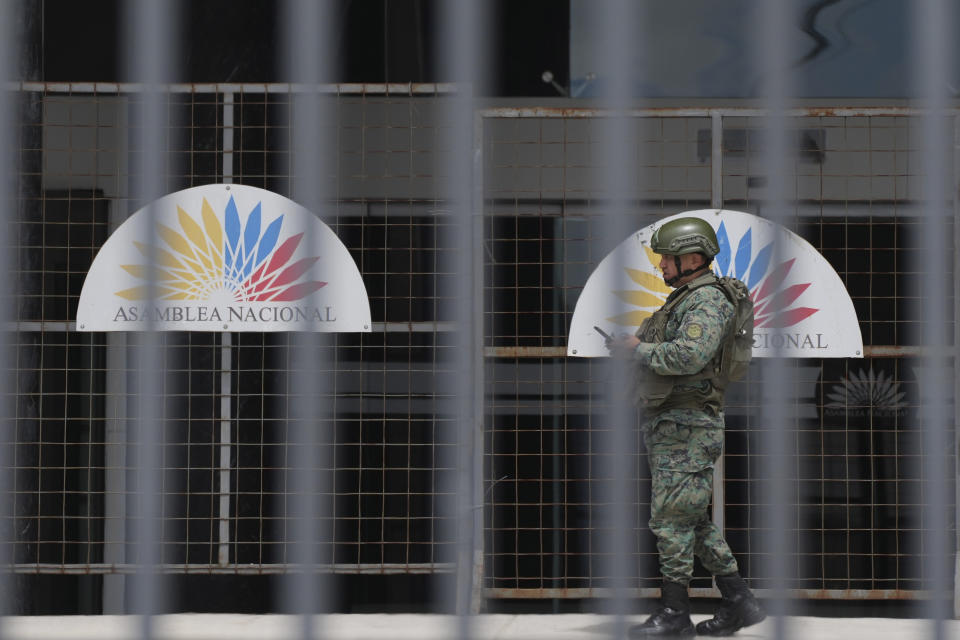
x: 738, y: 608
x: 672, y: 620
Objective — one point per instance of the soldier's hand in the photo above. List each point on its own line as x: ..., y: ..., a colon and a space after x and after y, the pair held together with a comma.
x: 623, y: 345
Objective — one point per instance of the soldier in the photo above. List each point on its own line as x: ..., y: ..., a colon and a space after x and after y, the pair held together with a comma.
x: 675, y: 357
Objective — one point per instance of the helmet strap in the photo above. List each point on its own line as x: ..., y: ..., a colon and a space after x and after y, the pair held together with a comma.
x: 683, y: 273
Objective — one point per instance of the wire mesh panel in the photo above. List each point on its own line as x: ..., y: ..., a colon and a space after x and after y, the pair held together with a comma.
x: 856, y: 479
x: 857, y: 429
x: 75, y: 486
x: 546, y: 478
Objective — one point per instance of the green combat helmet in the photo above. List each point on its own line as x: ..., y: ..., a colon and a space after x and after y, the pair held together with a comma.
x: 682, y: 236
x: 685, y: 235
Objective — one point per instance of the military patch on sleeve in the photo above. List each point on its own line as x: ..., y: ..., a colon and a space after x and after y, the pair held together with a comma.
x: 694, y: 331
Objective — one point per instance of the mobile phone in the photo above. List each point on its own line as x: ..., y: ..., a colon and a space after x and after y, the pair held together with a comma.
x: 606, y: 336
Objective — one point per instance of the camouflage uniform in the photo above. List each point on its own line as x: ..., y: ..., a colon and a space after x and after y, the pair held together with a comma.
x: 684, y: 443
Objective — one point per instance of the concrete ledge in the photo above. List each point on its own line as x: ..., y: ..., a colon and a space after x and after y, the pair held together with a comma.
x: 429, y: 627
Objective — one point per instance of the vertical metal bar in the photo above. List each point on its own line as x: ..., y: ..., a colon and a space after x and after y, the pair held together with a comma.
x: 716, y: 202
x: 775, y: 16
x: 716, y: 162
x: 619, y: 22
x: 462, y: 26
x: 147, y: 48
x: 226, y: 365
x: 115, y: 473
x: 479, y: 377
x: 115, y: 459
x: 9, y: 187
x: 115, y: 405
x: 932, y: 55
x: 956, y: 360
x: 309, y: 31
x: 226, y: 369
x: 228, y: 130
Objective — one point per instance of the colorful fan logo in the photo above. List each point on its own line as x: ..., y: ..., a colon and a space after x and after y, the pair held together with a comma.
x: 802, y: 308
x: 771, y: 299
x: 233, y: 262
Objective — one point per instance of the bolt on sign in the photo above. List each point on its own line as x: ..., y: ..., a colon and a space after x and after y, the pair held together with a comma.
x: 801, y: 307
x: 223, y: 258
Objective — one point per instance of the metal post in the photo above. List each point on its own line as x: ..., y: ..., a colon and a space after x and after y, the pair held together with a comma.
x: 309, y: 32
x: 115, y: 473
x: 619, y: 21
x: 716, y: 160
x: 226, y: 365
x: 149, y: 39
x: 778, y: 380
x: 115, y: 406
x: 462, y: 23
x: 956, y: 361
x: 932, y: 56
x: 716, y: 202
x: 476, y: 595
x: 228, y: 129
x: 9, y: 198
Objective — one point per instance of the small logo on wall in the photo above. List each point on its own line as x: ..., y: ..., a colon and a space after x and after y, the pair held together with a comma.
x: 866, y: 393
x: 223, y: 258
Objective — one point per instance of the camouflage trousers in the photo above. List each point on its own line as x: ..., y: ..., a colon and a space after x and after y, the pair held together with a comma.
x: 679, y: 519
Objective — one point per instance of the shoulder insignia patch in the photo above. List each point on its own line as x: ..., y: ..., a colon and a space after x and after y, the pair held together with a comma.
x: 694, y: 331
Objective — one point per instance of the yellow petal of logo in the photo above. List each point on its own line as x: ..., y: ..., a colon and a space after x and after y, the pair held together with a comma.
x: 650, y: 295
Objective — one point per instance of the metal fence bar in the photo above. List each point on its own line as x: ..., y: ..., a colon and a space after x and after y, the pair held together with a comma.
x: 869, y: 351
x: 716, y: 202
x: 376, y: 327
x: 281, y: 88
x: 226, y: 370
x: 308, y: 29
x: 476, y: 488
x: 445, y: 89
x: 931, y: 60
x: 956, y: 361
x: 9, y: 197
x: 575, y: 113
x: 226, y: 365
x: 716, y: 160
x: 779, y: 378
x: 613, y: 436
x: 702, y: 592
x: 703, y: 112
x: 460, y: 37
x: 278, y: 568
x: 148, y: 50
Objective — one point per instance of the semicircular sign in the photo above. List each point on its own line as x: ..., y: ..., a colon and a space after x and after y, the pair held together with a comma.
x: 801, y: 307
x: 223, y: 258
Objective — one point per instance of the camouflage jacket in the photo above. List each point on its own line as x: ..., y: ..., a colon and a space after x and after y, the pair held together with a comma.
x: 686, y: 439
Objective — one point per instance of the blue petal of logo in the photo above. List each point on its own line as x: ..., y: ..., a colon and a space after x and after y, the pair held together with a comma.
x: 771, y: 296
